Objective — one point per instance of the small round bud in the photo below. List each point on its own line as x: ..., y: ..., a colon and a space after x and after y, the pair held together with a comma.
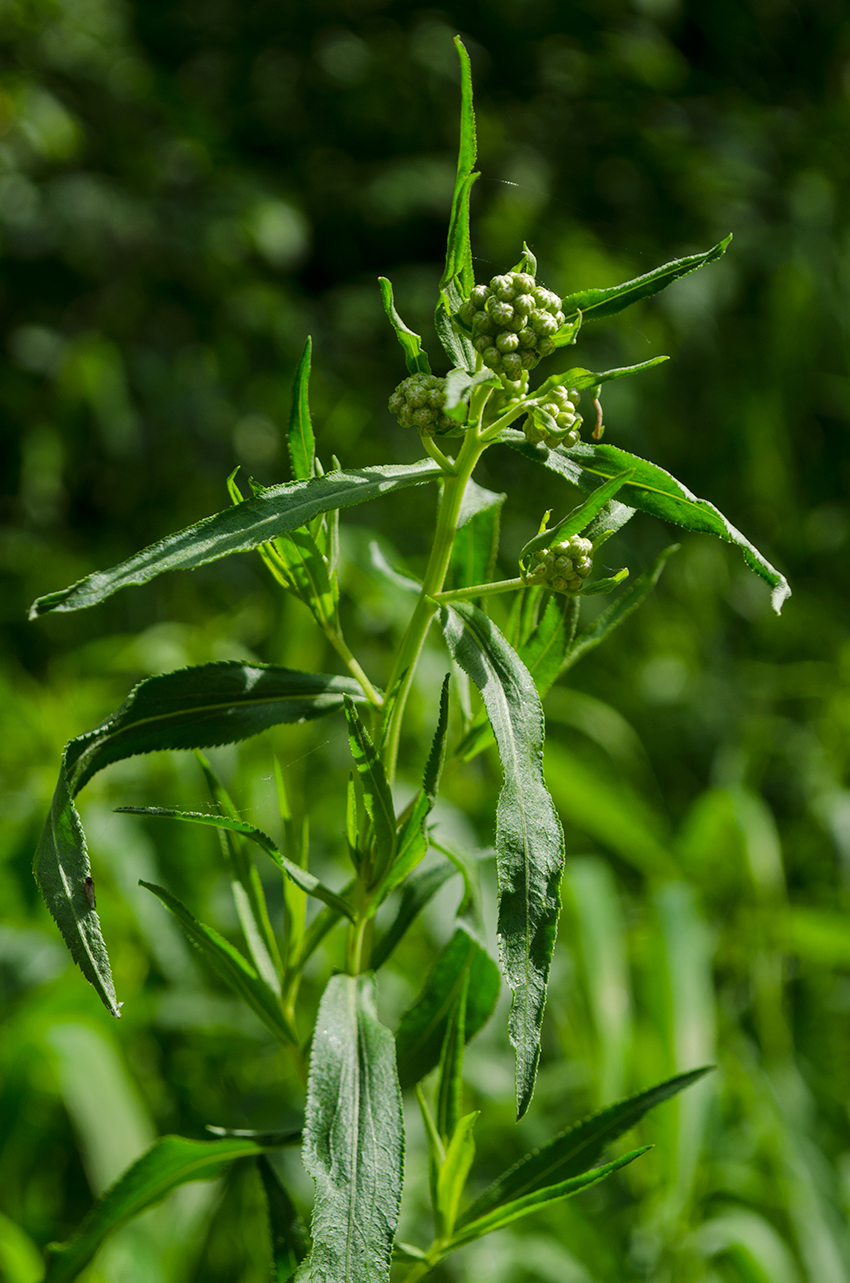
x: 523, y: 305
x: 507, y: 342
x: 523, y: 282
x: 492, y: 357
x: 503, y: 288
x: 479, y: 295
x: 467, y: 312
x: 418, y: 403
x: 512, y: 365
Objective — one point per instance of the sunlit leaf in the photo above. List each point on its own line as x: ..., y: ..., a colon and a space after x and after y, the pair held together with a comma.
x: 597, y: 303
x: 416, y: 360
x: 353, y: 1136
x: 529, y: 839
x: 237, y: 529
x: 454, y: 1171
x: 377, y: 797
x: 302, y: 445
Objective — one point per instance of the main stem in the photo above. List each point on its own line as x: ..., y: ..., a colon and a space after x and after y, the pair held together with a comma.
x: 401, y: 677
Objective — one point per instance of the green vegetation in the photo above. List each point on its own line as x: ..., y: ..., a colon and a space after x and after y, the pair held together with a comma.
x: 703, y: 915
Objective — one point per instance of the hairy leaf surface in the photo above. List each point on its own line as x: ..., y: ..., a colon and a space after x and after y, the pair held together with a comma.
x: 529, y: 839
x: 353, y: 1137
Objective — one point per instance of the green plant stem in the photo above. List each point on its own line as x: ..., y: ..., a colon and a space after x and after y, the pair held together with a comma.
x: 448, y: 465
x: 478, y: 590
x: 418, y: 1271
x: 342, y: 649
x: 420, y: 621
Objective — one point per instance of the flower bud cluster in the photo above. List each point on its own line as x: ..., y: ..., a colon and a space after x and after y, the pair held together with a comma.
x: 560, y: 405
x: 418, y: 403
x: 563, y: 567
x: 512, y: 321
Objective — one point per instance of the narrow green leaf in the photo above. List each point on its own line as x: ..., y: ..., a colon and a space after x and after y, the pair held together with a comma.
x: 416, y: 893
x: 301, y: 877
x: 576, y: 1149
x: 450, y: 1076
x: 353, y: 1136
x: 416, y: 360
x: 422, y: 1030
x: 453, y: 1174
x: 529, y: 839
x: 377, y: 797
x: 597, y: 303
x: 300, y: 439
x: 547, y: 647
x: 297, y: 562
x: 324, y: 922
x: 580, y: 379
x: 580, y: 517
x: 437, y: 756
x: 477, y: 540
x: 247, y: 525
x: 229, y: 964
x: 288, y: 1235
x: 411, y: 849
x: 652, y: 490
x: 458, y: 267
x: 268, y: 1140
x: 460, y: 385
x: 508, y: 1212
x: 171, y: 1161
x: 619, y: 610
x: 191, y: 708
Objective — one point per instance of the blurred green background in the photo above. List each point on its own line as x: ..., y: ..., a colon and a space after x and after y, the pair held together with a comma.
x: 186, y: 191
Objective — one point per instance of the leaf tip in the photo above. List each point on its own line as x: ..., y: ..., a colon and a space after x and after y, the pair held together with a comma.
x: 780, y: 594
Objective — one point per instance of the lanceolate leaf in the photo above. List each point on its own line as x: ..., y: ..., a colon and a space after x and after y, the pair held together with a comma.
x: 422, y: 1030
x: 302, y: 445
x: 288, y: 1236
x: 306, y: 881
x: 191, y: 708
x: 580, y: 378
x: 529, y: 839
x: 596, y: 303
x: 377, y: 797
x: 652, y: 490
x: 513, y: 1211
x: 579, y: 517
x: 172, y: 1161
x: 237, y: 529
x: 416, y: 360
x: 575, y: 1150
x: 353, y: 1137
x: 229, y: 963
x: 458, y: 275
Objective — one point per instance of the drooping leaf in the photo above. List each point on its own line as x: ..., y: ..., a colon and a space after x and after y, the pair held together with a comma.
x: 192, y: 708
x: 246, y: 525
x: 529, y: 839
x: 422, y: 1030
x: 377, y: 797
x: 415, y: 359
x: 506, y: 1213
x: 417, y: 891
x: 353, y: 1137
x: 170, y: 1162
x: 619, y: 610
x: 652, y: 490
x: 300, y: 439
x: 597, y: 303
x: 477, y: 540
x: 234, y: 969
x: 575, y: 1150
x: 288, y: 1235
x: 301, y: 877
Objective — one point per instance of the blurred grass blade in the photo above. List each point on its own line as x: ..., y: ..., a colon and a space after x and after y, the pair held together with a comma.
x: 306, y: 881
x: 299, y: 437
x: 505, y: 1213
x: 619, y: 610
x: 597, y: 303
x: 192, y: 708
x: 229, y: 964
x: 268, y: 1140
x: 242, y: 527
x: 288, y: 1235
x: 529, y: 838
x: 417, y: 891
x: 416, y: 360
x: 454, y: 1171
x: 171, y: 1162
x: 423, y: 1026
x: 377, y: 796
x: 652, y: 490
x: 353, y: 1136
x: 575, y: 1150
x: 20, y: 1259
x: 476, y: 543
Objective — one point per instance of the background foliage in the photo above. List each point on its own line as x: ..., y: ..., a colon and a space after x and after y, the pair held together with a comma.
x: 186, y: 191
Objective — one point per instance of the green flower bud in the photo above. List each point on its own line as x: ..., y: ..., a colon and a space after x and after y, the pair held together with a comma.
x: 512, y: 366
x: 523, y: 282
x: 418, y: 403
x: 517, y: 318
x: 479, y: 295
x: 507, y: 342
